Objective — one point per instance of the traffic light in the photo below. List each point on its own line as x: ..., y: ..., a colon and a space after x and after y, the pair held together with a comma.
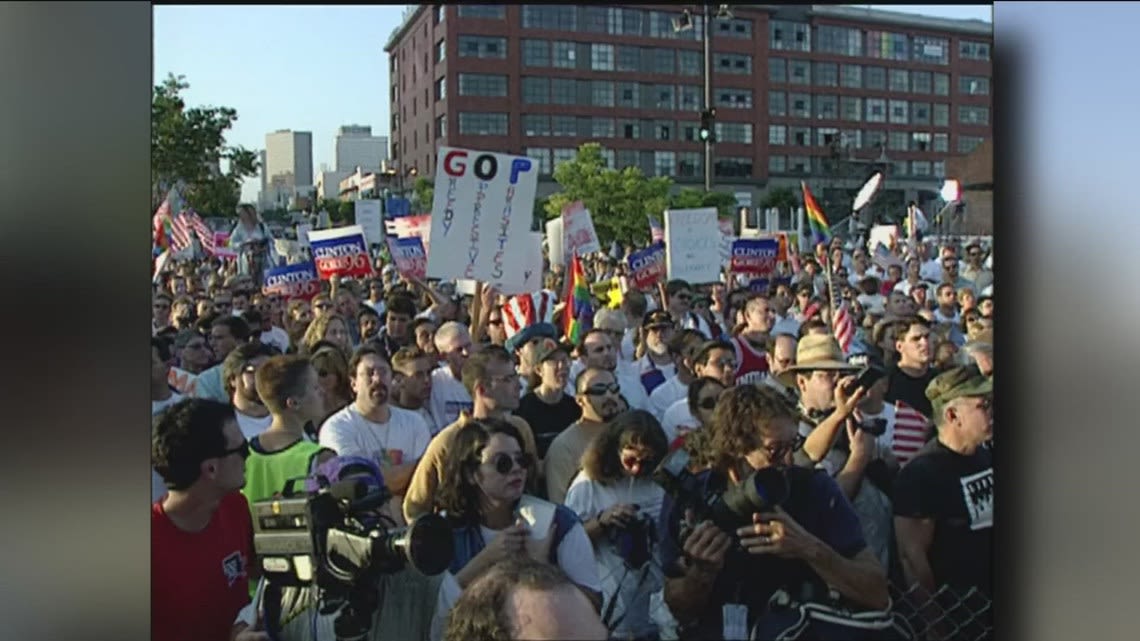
x: 708, y: 131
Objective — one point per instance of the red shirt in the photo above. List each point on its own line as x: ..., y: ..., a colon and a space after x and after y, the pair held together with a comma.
x: 200, y: 581
x: 751, y: 365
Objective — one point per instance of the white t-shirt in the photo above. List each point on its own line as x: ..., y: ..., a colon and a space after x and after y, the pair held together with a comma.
x: 448, y: 397
x: 377, y: 307
x: 250, y: 426
x: 401, y: 440
x: 276, y: 337
x: 157, y: 485
x: 644, y: 364
x: 678, y: 420
x: 575, y: 556
x: 627, y: 344
x: 939, y: 317
x: 667, y: 393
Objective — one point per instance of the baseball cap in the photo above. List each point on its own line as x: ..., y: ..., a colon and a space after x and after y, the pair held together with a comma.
x: 955, y: 383
x: 547, y: 348
x: 657, y: 318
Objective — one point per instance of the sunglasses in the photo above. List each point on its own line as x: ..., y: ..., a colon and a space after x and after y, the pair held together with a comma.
x: 242, y: 449
x: 630, y: 462
x: 780, y: 451
x: 504, y: 463
x: 600, y: 389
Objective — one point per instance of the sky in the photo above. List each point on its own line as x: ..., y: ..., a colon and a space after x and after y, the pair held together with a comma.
x: 309, y: 68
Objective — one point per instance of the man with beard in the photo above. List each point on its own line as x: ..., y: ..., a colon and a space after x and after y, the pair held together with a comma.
x: 599, y: 396
x: 448, y: 395
x: 369, y: 322
x: 226, y: 333
x: 597, y: 350
x: 371, y: 428
x: 411, y: 382
x: 396, y: 331
x: 759, y: 317
x: 656, y: 366
x: 239, y: 370
x: 907, y: 380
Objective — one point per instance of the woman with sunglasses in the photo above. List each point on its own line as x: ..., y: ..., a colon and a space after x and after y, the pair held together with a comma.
x: 695, y: 413
x: 332, y: 376
x: 618, y: 501
x: 482, y: 492
x: 331, y: 327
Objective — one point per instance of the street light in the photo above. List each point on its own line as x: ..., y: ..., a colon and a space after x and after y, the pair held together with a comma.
x: 684, y: 22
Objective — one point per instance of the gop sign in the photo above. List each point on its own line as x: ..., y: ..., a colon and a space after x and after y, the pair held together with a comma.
x: 340, y: 252
x: 755, y: 257
x: 293, y: 281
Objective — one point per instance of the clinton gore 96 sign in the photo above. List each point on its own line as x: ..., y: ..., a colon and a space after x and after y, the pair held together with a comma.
x: 481, y: 216
x: 340, y: 252
x: 755, y: 257
x: 293, y: 281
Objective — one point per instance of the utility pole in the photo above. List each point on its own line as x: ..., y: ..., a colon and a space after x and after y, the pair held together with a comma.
x: 708, y: 106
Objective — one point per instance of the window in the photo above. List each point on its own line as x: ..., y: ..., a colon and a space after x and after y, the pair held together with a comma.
x: 482, y: 124
x: 735, y: 28
x: 663, y: 97
x: 542, y: 156
x: 664, y: 163
x: 777, y: 70
x: 602, y: 57
x: 734, y: 132
x: 801, y: 136
x: 629, y: 129
x: 887, y: 46
x: 942, y: 143
x: 595, y: 19
x: 440, y: 13
x: 482, y: 84
x: 688, y: 132
x: 564, y: 155
x: 535, y: 53
x: 934, y: 51
x: 920, y: 113
x: 689, y: 97
x: 852, y: 76
x: 875, y: 138
x: 689, y: 164
x: 941, y: 115
x: 801, y: 105
x: 852, y: 138
x: 734, y: 98
x: 564, y: 55
x: 661, y: 26
x: 563, y: 91
x: 564, y: 126
x: 921, y: 82
x: 536, y: 125
x: 482, y: 47
x: 627, y: 94
x: 664, y: 61
x: 839, y: 40
x: 799, y: 165
x: 898, y: 141
x: 875, y: 78
x: 550, y: 17
x: 494, y: 11
x: 826, y: 136
x: 826, y: 107
x: 777, y: 103
x: 941, y: 84
x: 733, y: 167
x: 939, y: 169
x: 851, y: 108
x: 628, y: 58
x: 441, y: 89
x: 789, y: 36
x: 899, y: 80
x: 920, y: 167
x: 974, y: 85
x: 777, y: 135
x: 733, y: 63
x: 535, y: 91
x: 626, y: 158
x: 799, y: 72
x: 966, y: 144
x: 777, y: 164
x: 441, y: 50
x: 602, y: 93
x: 689, y: 62
x: 441, y: 127
x: 826, y: 74
x: 602, y: 127
x: 900, y: 168
x: 973, y: 115
x: 900, y: 112
x: 876, y: 110
x: 920, y: 141
x: 974, y: 50
x: 630, y: 21
x: 608, y: 158
x: 664, y: 129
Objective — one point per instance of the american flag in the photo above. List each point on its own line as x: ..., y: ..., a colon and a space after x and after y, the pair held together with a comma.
x: 844, y: 327
x: 187, y: 222
x: 656, y: 232
x: 910, y: 432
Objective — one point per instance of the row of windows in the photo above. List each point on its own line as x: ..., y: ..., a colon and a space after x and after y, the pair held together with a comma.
x: 830, y: 74
x: 807, y: 165
x: 634, y: 95
x: 483, y: 84
x: 857, y: 109
x: 884, y: 45
x: 560, y: 126
x: 785, y: 135
x: 562, y: 54
x: 629, y: 22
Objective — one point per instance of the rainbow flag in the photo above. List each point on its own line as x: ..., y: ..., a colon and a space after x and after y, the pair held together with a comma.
x: 820, y: 230
x: 578, y: 315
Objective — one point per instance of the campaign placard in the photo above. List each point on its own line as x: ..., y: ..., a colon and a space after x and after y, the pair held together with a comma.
x: 579, y: 236
x: 367, y: 215
x: 755, y: 257
x: 481, y: 212
x: 647, y: 266
x: 293, y: 281
x: 408, y: 256
x: 340, y: 252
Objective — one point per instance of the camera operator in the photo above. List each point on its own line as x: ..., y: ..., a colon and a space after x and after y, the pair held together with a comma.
x: 806, y: 546
x: 619, y: 503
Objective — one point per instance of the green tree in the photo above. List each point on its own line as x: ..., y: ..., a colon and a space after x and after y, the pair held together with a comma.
x: 423, y: 195
x: 618, y: 200
x: 689, y: 198
x: 188, y: 147
x: 782, y: 198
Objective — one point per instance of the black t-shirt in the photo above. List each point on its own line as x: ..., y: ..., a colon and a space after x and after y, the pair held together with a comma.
x: 957, y: 492
x: 547, y: 421
x: 910, y: 390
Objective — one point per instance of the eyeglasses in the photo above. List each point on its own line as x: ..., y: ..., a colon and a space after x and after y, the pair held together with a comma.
x: 633, y: 461
x: 600, y: 389
x: 780, y: 451
x: 242, y: 449
x: 504, y: 463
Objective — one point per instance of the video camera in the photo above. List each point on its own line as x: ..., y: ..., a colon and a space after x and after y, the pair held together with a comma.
x: 334, y: 538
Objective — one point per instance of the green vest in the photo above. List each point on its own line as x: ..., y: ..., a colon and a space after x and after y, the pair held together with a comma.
x: 267, y: 473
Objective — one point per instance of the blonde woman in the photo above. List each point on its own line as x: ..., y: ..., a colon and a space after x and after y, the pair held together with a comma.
x: 332, y: 376
x: 331, y: 327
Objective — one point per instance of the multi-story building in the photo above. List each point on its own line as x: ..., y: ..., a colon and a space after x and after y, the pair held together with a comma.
x: 288, y: 166
x: 814, y: 92
x: 357, y: 147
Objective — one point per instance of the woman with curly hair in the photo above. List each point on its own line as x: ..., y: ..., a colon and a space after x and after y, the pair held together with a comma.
x: 482, y: 492
x: 332, y: 376
x: 331, y: 327
x: 298, y: 316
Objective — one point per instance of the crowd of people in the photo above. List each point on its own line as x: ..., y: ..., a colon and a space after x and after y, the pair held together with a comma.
x: 866, y: 465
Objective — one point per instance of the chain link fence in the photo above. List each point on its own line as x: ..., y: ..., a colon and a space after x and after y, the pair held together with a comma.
x: 945, y: 615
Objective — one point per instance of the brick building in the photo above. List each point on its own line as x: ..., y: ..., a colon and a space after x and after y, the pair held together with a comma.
x: 814, y: 92
x: 975, y: 170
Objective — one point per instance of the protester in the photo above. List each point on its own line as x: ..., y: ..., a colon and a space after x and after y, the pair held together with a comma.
x: 239, y: 371
x: 411, y: 383
x: 226, y: 333
x: 448, y: 396
x: 547, y: 406
x: 333, y: 376
x: 330, y: 327
x: 908, y: 379
x: 599, y: 395
x: 683, y: 347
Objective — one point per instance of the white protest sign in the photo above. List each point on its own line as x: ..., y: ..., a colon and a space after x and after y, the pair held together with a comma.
x: 885, y: 235
x: 692, y: 245
x: 726, y: 240
x: 482, y: 209
x: 578, y: 232
x: 532, y: 275
x: 303, y: 230
x: 554, y: 242
x: 370, y: 220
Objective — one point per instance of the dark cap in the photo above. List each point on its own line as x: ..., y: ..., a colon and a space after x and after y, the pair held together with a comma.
x: 547, y: 348
x: 955, y: 383
x: 657, y: 318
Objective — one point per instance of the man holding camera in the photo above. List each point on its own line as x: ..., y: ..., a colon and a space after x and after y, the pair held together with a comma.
x: 805, y: 544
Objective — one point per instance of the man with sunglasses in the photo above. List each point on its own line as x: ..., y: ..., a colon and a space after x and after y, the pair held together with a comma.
x: 599, y: 395
x: 201, y: 531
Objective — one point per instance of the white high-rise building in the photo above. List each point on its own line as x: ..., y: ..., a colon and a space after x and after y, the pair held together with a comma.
x: 288, y: 166
x: 357, y: 147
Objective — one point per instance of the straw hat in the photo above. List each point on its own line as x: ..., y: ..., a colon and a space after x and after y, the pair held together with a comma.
x: 816, y: 352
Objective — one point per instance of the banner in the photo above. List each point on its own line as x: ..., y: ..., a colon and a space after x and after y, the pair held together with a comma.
x: 293, y: 281
x: 578, y: 230
x: 692, y: 245
x: 222, y: 247
x: 647, y: 266
x: 762, y: 285
x: 368, y: 217
x: 554, y: 242
x: 408, y: 256
x: 482, y: 209
x: 756, y: 258
x: 340, y: 251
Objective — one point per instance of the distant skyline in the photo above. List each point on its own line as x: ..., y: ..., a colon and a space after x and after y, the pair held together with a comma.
x: 310, y: 68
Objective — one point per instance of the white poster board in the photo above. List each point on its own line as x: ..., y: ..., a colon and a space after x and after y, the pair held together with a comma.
x: 481, y: 211
x: 578, y: 232
x: 692, y: 245
x: 726, y: 240
x: 532, y: 275
x: 370, y: 220
x: 885, y: 235
x: 303, y: 230
x: 554, y: 242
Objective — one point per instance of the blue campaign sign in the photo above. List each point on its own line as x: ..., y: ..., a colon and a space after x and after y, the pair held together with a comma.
x: 397, y: 207
x: 293, y: 281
